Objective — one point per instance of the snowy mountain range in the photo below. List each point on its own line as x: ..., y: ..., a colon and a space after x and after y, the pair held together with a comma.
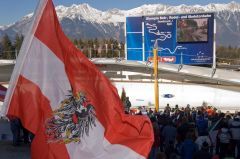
x: 84, y: 21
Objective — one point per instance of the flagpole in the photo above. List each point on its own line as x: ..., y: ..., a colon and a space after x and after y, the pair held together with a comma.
x: 156, y: 89
x: 23, y: 54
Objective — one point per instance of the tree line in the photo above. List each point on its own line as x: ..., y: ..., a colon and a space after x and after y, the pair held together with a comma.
x: 106, y: 48
x: 229, y: 55
x: 100, y: 47
x: 9, y: 49
x: 90, y: 47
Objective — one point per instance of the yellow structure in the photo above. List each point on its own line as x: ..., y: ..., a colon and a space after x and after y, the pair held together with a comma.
x: 156, y: 89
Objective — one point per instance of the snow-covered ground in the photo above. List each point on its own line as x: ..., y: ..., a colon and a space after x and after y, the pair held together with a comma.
x: 7, y: 61
x: 142, y: 94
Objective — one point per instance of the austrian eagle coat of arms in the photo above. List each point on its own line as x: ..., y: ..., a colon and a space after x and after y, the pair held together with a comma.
x: 75, y: 116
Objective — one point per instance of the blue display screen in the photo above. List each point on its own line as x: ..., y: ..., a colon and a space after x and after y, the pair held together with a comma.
x: 181, y: 39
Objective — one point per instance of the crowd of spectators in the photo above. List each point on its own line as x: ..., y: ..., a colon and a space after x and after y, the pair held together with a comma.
x: 180, y: 133
x: 194, y: 133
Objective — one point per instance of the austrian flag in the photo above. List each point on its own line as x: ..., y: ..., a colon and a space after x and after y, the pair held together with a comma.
x: 71, y: 107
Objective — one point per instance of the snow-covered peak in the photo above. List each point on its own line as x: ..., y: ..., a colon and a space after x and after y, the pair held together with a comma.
x: 232, y: 6
x: 183, y: 8
x: 3, y: 27
x: 147, y: 9
x: 27, y: 16
x: 82, y: 11
x: 85, y: 12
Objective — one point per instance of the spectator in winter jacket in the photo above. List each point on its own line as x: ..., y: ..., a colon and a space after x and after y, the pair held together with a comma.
x: 202, y: 126
x: 15, y: 125
x: 188, y: 147
x: 156, y: 143
x: 202, y: 139
x: 127, y: 104
x: 224, y: 137
x: 182, y: 129
x: 169, y: 133
x: 235, y: 131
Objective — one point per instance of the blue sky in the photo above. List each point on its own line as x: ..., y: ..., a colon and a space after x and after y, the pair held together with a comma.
x: 13, y: 10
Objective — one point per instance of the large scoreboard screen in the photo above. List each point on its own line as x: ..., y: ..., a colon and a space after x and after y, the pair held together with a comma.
x: 181, y: 38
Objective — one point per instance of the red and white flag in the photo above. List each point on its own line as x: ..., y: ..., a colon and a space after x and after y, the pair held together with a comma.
x: 71, y: 107
x: 3, y: 91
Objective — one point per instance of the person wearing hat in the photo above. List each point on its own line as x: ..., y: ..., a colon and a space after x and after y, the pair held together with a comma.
x: 235, y: 132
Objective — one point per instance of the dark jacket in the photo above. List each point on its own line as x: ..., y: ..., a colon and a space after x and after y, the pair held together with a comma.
x: 188, y: 149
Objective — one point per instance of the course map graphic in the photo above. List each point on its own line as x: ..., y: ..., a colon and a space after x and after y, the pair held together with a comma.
x: 162, y: 35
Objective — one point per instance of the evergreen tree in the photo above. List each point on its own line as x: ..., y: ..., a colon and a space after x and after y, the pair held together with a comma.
x: 90, y: 48
x: 81, y: 43
x: 110, y: 47
x: 95, y: 47
x: 75, y: 42
x: 18, y: 42
x: 8, y: 50
x: 122, y: 49
x: 115, y: 48
x: 1, y: 50
x: 228, y: 55
x: 105, y: 47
